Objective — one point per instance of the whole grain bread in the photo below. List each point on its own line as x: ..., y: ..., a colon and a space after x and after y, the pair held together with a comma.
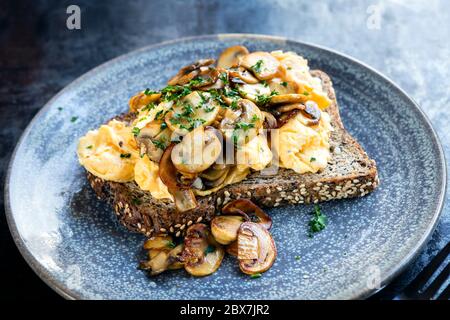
x: 349, y: 173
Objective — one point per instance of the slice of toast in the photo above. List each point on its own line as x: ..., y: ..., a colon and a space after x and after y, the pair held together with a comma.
x: 349, y: 173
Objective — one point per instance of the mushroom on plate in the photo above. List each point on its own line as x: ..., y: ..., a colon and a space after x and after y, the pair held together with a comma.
x: 189, y: 72
x: 230, y: 56
x: 225, y: 228
x: 202, y: 255
x: 241, y: 124
x: 195, y: 109
x: 246, y: 207
x: 152, y: 139
x: 256, y: 248
x: 198, y: 150
x: 262, y: 64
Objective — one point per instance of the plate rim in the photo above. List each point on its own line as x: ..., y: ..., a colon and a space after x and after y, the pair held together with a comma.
x: 66, y: 293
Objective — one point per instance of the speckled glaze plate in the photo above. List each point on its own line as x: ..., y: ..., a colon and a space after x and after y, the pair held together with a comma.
x: 74, y: 244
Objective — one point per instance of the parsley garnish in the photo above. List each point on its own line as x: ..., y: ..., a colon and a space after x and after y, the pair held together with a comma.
x: 318, y: 222
x: 149, y: 107
x: 263, y: 99
x: 159, y: 114
x: 297, y: 258
x: 125, y: 155
x: 89, y: 147
x: 135, y: 131
x: 73, y: 119
x: 148, y: 92
x: 160, y: 144
x: 60, y: 109
x: 257, y: 66
x: 244, y: 125
x: 306, y: 93
x: 312, y: 159
x: 224, y: 77
x: 163, y: 125
x: 256, y: 275
x: 284, y: 84
x: 171, y: 245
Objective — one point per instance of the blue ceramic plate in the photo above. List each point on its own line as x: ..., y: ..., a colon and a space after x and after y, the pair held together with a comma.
x: 75, y: 245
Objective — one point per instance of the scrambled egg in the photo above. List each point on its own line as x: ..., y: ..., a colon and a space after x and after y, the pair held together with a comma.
x: 255, y: 154
x: 295, y: 68
x: 146, y: 175
x: 303, y: 148
x: 109, y: 152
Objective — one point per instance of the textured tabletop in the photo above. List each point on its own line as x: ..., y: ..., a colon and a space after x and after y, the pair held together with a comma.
x: 405, y: 40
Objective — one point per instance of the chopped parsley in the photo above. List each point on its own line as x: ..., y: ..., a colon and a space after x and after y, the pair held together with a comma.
x: 89, y: 147
x: 306, y: 93
x: 224, y: 77
x: 60, y: 109
x: 149, y: 107
x: 255, y: 118
x: 318, y: 222
x: 125, y: 155
x: 163, y: 126
x: 264, y: 83
x: 135, y: 131
x: 244, y: 125
x: 159, y: 114
x: 297, y: 258
x: 209, y: 109
x: 234, y: 105
x: 284, y: 84
x: 159, y: 144
x: 256, y: 275
x: 171, y: 244
x: 148, y: 92
x: 73, y: 119
x: 257, y: 66
x: 312, y: 159
x: 263, y: 99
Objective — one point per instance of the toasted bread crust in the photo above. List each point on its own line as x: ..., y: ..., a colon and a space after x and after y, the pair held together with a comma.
x: 350, y: 173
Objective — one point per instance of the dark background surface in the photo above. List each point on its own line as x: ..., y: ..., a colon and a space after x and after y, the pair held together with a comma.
x: 406, y: 40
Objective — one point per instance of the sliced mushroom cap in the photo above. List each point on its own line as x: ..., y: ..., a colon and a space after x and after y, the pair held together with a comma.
x: 270, y: 122
x: 196, y: 109
x: 159, y: 243
x: 175, y: 257
x: 283, y: 87
x: 198, y: 150
x: 255, y: 213
x: 184, y: 199
x: 241, y: 124
x: 243, y: 74
x: 141, y: 100
x: 232, y: 249
x: 288, y: 98
x: 230, y: 56
x: 189, y: 72
x: 202, y: 255
x: 152, y: 139
x: 256, y: 248
x: 310, y: 110
x: 262, y: 64
x: 253, y: 91
x: 225, y: 228
x: 157, y: 264
x: 182, y: 193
